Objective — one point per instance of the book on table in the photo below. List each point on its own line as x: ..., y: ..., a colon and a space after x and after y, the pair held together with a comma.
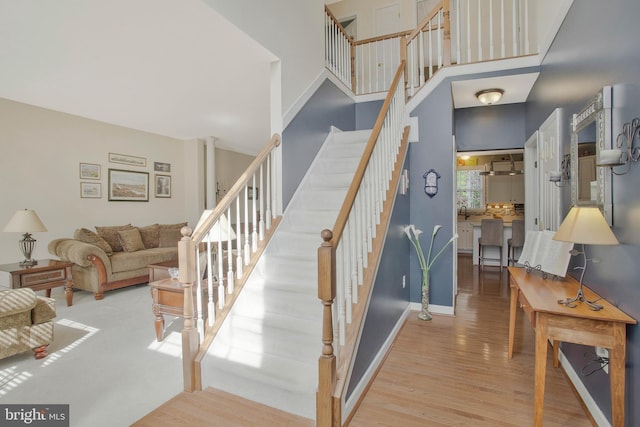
x: 541, y: 252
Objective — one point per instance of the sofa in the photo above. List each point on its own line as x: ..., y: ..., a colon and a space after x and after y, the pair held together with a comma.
x: 113, y: 257
x: 26, y: 322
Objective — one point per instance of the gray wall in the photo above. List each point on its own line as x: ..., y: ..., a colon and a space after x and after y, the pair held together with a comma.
x: 304, y: 136
x: 367, y: 113
x: 433, y: 151
x: 597, y: 46
x: 490, y: 128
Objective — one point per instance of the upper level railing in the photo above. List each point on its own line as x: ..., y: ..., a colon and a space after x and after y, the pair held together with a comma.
x: 215, y: 258
x: 343, y: 256
x: 454, y: 32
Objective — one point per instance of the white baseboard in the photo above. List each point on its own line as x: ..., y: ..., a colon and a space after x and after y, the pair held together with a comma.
x: 433, y: 308
x: 594, y: 410
x: 373, y: 366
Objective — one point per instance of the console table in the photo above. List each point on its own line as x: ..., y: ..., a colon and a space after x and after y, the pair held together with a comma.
x: 43, y: 276
x: 552, y: 321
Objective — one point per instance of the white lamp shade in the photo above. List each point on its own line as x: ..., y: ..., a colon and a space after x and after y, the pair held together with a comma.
x: 25, y: 221
x: 585, y: 225
x: 221, y: 230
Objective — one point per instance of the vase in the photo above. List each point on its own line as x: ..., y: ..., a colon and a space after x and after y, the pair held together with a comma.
x: 424, y: 313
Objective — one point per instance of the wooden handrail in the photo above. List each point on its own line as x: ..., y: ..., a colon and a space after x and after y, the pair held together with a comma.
x: 381, y: 38
x: 341, y: 221
x: 235, y: 190
x: 436, y: 9
x: 338, y: 24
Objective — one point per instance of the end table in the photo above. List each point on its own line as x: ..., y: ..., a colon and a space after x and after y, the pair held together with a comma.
x: 44, y: 275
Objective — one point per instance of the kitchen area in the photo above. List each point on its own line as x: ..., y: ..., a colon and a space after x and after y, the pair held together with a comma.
x: 489, y: 186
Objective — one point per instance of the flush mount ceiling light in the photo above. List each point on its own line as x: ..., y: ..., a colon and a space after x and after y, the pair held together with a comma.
x: 489, y: 96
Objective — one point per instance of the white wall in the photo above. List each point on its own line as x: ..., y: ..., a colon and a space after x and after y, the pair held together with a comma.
x: 291, y: 29
x: 40, y: 152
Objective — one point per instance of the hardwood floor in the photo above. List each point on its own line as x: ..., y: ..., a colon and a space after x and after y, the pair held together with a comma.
x: 454, y: 371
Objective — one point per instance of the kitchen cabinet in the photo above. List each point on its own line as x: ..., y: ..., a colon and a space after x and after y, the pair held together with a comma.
x: 505, y: 188
x: 465, y: 236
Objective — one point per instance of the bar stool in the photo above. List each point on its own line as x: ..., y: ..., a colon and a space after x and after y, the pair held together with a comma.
x: 516, y: 240
x: 491, y: 234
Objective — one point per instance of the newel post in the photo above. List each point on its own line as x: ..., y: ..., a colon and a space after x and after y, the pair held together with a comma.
x: 327, y: 361
x: 403, y: 58
x: 190, y: 337
x: 446, y: 32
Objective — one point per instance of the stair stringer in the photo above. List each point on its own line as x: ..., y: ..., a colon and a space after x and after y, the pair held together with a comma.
x: 244, y: 357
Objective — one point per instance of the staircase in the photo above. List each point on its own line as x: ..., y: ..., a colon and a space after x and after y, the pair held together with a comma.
x: 267, y: 350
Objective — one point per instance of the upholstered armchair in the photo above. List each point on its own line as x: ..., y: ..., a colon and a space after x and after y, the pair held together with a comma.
x: 26, y: 322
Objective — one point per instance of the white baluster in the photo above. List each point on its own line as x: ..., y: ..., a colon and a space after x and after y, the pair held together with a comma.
x: 259, y: 193
x: 514, y: 29
x: 219, y: 262
x: 247, y: 247
x: 503, y: 53
x: 239, y: 240
x: 254, y: 209
x: 268, y: 213
x: 211, y: 310
x: 340, y: 295
x: 479, y: 32
x: 468, y: 16
x: 230, y: 275
x: 199, y: 314
x: 490, y: 29
x: 527, y: 47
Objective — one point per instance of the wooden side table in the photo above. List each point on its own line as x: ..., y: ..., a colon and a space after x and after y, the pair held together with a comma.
x: 168, y: 298
x: 44, y: 275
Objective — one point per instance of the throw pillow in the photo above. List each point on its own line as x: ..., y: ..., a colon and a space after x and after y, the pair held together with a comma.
x: 172, y: 226
x: 169, y: 237
x: 150, y: 235
x: 130, y: 240
x: 88, y: 236
x: 110, y: 234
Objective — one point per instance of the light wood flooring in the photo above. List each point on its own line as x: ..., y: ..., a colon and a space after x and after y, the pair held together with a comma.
x: 450, y: 371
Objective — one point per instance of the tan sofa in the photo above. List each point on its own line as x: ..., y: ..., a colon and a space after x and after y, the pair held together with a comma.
x: 117, y: 256
x: 26, y: 322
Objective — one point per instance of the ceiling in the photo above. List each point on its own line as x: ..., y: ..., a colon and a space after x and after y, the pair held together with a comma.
x: 516, y: 89
x: 159, y: 66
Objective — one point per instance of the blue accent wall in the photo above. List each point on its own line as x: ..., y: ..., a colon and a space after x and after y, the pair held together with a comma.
x: 367, y: 113
x: 433, y: 151
x: 388, y: 299
x: 490, y: 128
x: 596, y: 46
x: 303, y: 137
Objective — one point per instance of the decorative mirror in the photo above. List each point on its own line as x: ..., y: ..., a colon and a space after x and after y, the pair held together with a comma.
x: 590, y: 134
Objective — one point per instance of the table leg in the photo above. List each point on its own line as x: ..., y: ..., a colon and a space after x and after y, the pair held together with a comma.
x: 159, y: 324
x: 540, y: 367
x: 556, y: 348
x: 617, y: 374
x: 512, y: 317
x: 47, y: 293
x: 68, y: 293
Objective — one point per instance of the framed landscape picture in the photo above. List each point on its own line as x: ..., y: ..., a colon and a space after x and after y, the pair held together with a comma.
x: 90, y: 190
x: 163, y: 185
x: 90, y: 171
x: 128, y: 186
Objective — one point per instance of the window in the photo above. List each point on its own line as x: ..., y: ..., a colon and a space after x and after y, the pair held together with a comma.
x: 470, y: 189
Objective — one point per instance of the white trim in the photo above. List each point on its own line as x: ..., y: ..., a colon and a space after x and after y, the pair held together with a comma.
x: 374, y: 365
x: 368, y: 97
x: 446, y: 310
x: 591, y: 405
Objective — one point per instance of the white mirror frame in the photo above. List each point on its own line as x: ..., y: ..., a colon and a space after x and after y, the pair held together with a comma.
x: 598, y: 110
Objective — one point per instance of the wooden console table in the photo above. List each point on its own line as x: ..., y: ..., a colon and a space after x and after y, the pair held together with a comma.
x: 552, y: 321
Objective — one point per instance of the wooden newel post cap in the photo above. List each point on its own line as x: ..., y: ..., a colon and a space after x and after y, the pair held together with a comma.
x: 326, y: 235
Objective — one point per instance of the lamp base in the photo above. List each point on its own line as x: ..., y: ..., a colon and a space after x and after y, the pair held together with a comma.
x: 28, y: 263
x: 569, y: 302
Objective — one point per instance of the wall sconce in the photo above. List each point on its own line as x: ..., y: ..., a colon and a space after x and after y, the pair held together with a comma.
x: 625, y: 151
x: 561, y: 177
x: 489, y: 96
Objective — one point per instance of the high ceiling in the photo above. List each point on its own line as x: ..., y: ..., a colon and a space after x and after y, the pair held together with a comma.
x: 159, y: 66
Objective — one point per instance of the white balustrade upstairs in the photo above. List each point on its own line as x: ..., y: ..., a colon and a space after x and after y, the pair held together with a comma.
x: 454, y: 32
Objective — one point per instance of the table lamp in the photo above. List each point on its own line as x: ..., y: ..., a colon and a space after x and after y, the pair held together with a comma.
x: 584, y: 225
x: 26, y: 221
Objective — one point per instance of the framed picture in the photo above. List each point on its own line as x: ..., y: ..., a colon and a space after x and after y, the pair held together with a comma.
x: 127, y: 160
x: 90, y: 190
x: 128, y: 186
x: 161, y: 167
x: 90, y: 171
x: 163, y: 185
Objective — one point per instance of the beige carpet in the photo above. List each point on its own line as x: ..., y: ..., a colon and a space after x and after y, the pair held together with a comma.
x: 104, y: 361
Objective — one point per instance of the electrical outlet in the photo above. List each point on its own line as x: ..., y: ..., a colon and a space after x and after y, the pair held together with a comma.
x: 603, y: 352
x: 404, y: 281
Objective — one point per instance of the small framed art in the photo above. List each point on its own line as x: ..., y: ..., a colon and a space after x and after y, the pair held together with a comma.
x: 90, y: 171
x: 163, y: 185
x: 90, y: 190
